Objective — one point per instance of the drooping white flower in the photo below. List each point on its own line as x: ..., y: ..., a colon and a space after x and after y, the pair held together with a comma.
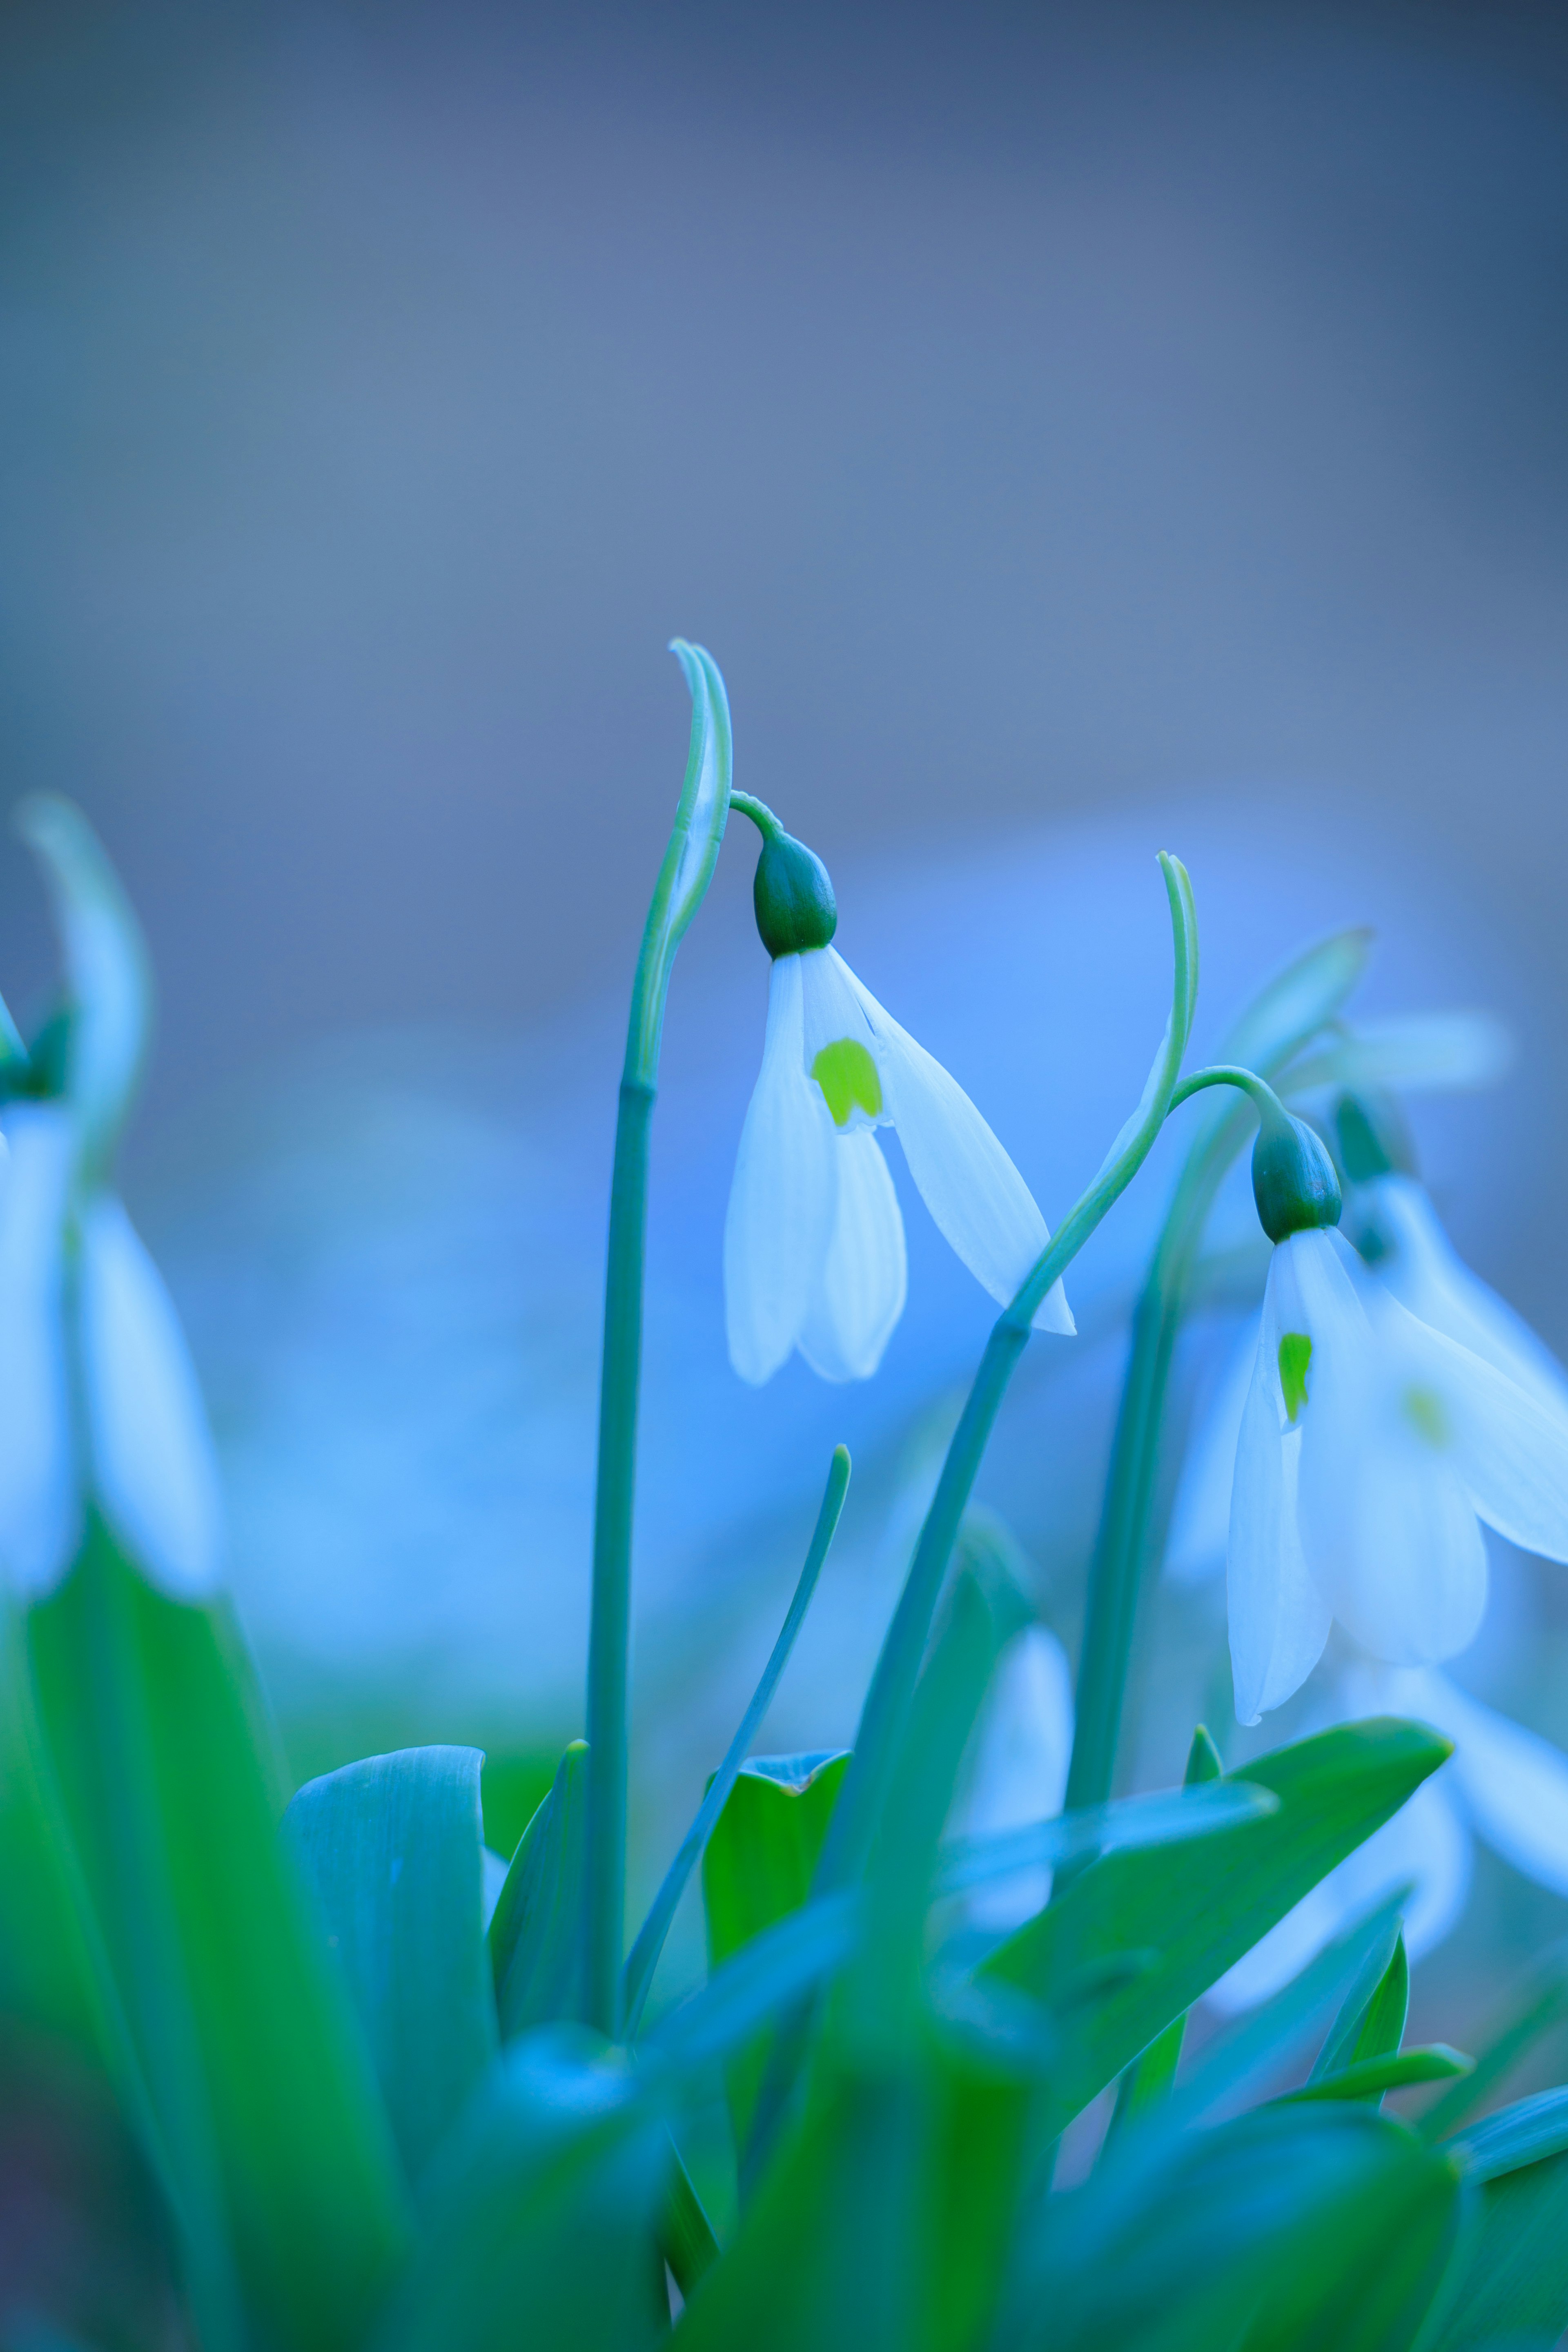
x: 1503, y: 1784
x: 1370, y: 1446
x: 1018, y: 1771
x: 814, y: 1241
x: 1399, y: 1235
x: 98, y: 1402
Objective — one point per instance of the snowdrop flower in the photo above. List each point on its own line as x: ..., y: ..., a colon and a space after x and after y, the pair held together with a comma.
x: 1018, y: 1774
x: 1503, y: 1784
x: 814, y: 1240
x: 1398, y: 1235
x: 1370, y: 1445
x: 98, y: 1405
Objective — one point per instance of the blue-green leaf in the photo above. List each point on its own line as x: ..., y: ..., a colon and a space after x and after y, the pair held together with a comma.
x: 1395, y: 2070
x: 392, y: 1849
x: 536, y: 1933
x: 1526, y: 2132
x: 542, y: 2211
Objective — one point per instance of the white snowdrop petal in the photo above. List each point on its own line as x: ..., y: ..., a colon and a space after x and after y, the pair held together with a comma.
x: 41, y: 1514
x: 975, y: 1195
x: 1279, y: 1619
x: 1514, y: 1784
x: 152, y: 1462
x: 779, y: 1217
x: 1421, y: 1268
x: 1022, y: 1744
x: 1510, y: 1452
x: 1393, y: 1542
x: 1200, y: 1517
x: 860, y: 1294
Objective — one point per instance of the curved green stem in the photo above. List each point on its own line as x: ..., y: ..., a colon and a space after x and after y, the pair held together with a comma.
x: 683, y: 880
x: 898, y: 1666
x: 1286, y: 1015
x: 759, y: 811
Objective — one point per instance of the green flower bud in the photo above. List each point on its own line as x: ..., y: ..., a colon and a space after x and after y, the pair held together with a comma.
x: 1373, y: 1137
x: 793, y: 897
x: 1293, y: 1179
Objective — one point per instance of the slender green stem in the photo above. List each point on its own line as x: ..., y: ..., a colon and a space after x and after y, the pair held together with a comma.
x: 645, y: 1952
x: 761, y: 814
x: 683, y: 879
x: 1289, y: 1012
x: 609, y: 1626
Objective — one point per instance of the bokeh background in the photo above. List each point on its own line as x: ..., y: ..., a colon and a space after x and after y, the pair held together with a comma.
x: 1076, y: 431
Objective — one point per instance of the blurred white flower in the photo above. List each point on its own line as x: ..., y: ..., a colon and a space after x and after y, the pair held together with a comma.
x: 98, y: 1397
x: 1369, y: 1445
x: 1410, y: 1256
x: 1503, y: 1784
x: 1018, y: 1768
x: 814, y: 1240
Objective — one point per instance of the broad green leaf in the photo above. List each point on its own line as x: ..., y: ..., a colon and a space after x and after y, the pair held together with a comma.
x: 1200, y: 1906
x: 1395, y: 2070
x: 284, y: 2176
x: 1126, y: 1824
x: 757, y: 1868
x: 1526, y: 2132
x: 542, y: 2211
x: 1513, y: 2289
x: 1320, y: 2229
x: 391, y: 1849
x: 536, y: 1932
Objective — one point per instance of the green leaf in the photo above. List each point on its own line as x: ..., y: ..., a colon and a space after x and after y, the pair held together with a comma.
x: 542, y: 2211
x: 536, y: 1933
x: 1395, y: 2070
x: 391, y: 1848
x: 1200, y: 1906
x: 1526, y: 2132
x: 1537, y: 2005
x: 282, y: 2166
x: 1126, y: 1825
x: 644, y: 1957
x: 757, y: 1868
x: 1513, y: 2286
x: 1371, y: 2024
x: 1322, y: 2228
x: 768, y: 1973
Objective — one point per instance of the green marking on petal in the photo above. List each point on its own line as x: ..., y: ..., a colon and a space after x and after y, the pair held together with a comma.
x: 847, y: 1074
x: 1295, y: 1355
x: 1424, y: 1410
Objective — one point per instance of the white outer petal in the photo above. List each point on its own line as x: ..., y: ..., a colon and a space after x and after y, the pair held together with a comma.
x: 1284, y: 1952
x: 1022, y: 1744
x: 1513, y: 1783
x: 975, y: 1195
x: 152, y: 1464
x: 1279, y: 1619
x: 1425, y: 1273
x: 1510, y: 1452
x: 1200, y: 1517
x: 779, y: 1217
x: 40, y: 1510
x: 860, y: 1294
x: 1387, y: 1525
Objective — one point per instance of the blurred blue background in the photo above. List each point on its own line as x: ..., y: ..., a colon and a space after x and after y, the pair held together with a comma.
x: 1075, y: 431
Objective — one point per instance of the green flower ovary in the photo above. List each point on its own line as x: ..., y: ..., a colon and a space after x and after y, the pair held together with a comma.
x: 847, y: 1074
x: 1295, y: 1355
